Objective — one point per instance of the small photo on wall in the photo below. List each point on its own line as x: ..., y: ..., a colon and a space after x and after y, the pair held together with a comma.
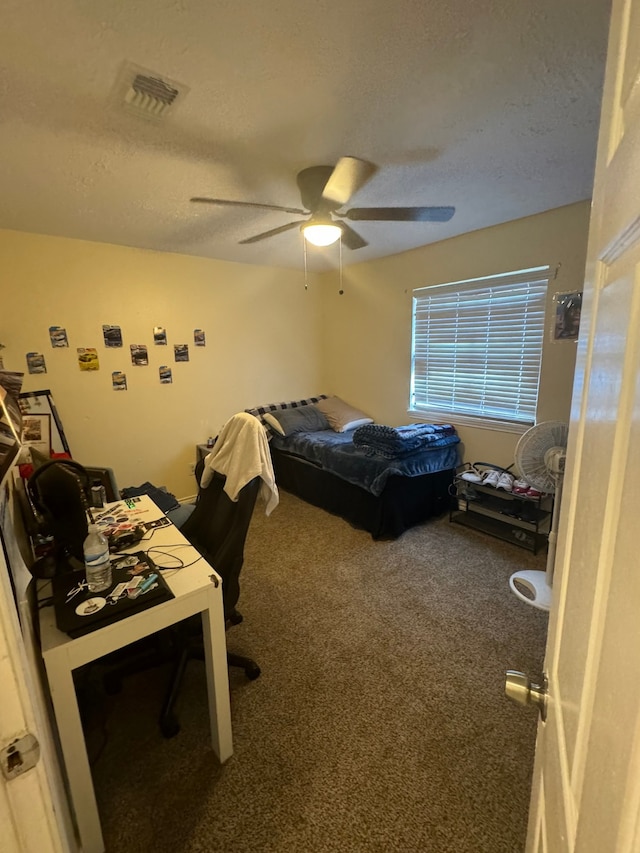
x: 181, y: 352
x: 160, y: 336
x: 36, y: 362
x: 119, y: 380
x: 199, y: 338
x: 568, y: 308
x: 165, y: 375
x: 58, y: 336
x: 88, y: 358
x: 112, y: 336
x: 139, y: 355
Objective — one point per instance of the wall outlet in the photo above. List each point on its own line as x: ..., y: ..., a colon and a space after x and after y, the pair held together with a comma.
x: 192, y: 467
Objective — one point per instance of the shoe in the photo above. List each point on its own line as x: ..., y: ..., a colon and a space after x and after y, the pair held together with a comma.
x: 491, y: 478
x: 505, y: 482
x: 520, y: 487
x: 469, y: 493
x: 472, y: 475
x: 533, y: 493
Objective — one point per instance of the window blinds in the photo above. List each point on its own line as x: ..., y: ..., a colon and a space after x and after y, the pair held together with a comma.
x: 477, y: 346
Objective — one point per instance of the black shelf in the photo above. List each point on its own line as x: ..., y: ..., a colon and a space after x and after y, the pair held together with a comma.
x: 520, y: 520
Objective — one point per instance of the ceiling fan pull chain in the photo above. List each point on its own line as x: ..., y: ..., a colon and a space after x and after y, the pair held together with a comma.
x: 304, y: 252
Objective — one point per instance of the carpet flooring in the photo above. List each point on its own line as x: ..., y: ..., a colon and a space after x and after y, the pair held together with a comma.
x: 379, y: 722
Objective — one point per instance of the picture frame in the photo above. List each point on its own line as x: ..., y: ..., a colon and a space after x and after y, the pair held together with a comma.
x: 566, y: 317
x: 41, y: 403
x: 36, y: 432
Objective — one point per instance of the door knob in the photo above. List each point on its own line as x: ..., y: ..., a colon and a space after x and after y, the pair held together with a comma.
x: 521, y: 690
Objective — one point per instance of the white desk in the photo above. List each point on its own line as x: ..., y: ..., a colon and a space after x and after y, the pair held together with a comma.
x: 194, y: 592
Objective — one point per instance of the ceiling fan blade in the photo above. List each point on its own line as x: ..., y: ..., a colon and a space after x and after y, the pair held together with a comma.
x: 400, y: 214
x: 271, y: 233
x: 248, y: 204
x: 350, y: 238
x: 348, y: 176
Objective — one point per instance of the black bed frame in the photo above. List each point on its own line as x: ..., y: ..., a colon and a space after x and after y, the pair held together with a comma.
x: 404, y: 502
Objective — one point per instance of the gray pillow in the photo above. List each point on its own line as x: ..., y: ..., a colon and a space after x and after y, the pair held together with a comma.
x: 303, y: 419
x: 342, y: 416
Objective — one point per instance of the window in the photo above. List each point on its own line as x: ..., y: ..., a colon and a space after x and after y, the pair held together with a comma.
x: 477, y: 348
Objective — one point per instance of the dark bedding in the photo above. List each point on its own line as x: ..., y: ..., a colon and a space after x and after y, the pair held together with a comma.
x: 404, y: 503
x: 398, y: 442
x: 337, y: 453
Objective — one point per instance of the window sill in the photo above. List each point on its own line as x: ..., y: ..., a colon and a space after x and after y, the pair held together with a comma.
x: 469, y: 421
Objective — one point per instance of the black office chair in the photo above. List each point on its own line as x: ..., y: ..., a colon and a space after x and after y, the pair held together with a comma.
x: 217, y: 528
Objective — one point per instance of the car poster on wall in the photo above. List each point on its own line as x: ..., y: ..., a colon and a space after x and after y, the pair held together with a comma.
x: 139, y: 355
x: 112, y: 336
x: 36, y: 362
x: 199, y: 337
x: 119, y: 380
x: 181, y: 352
x: 166, y: 377
x: 160, y: 336
x: 88, y: 358
x: 58, y: 336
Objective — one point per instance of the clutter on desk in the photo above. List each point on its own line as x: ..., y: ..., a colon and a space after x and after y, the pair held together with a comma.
x: 158, y: 494
x: 123, y: 535
x: 98, y: 494
x: 137, y: 584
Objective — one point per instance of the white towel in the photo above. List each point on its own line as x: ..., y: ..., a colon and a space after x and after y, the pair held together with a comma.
x: 241, y: 453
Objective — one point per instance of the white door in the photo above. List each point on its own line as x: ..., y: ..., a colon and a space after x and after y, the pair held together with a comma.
x: 29, y: 820
x: 34, y: 813
x: 586, y: 786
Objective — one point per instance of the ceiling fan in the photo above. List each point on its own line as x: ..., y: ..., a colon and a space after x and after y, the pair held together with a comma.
x: 326, y: 189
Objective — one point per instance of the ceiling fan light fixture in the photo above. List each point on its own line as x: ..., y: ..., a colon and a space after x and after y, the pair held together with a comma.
x: 321, y: 233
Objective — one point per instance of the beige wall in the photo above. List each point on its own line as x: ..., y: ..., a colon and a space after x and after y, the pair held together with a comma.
x: 267, y: 337
x: 262, y: 333
x: 367, y: 330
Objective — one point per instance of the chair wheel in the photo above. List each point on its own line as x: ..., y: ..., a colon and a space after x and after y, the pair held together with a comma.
x: 252, y: 671
x: 169, y: 726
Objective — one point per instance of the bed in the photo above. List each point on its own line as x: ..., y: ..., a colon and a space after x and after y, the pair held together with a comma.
x: 380, y: 479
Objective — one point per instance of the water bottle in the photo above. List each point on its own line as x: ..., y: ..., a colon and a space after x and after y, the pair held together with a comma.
x: 96, y: 560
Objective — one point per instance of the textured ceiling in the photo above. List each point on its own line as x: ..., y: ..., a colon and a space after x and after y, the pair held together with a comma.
x: 488, y: 105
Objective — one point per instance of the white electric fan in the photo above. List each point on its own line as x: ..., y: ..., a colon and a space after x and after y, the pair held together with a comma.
x: 539, y: 459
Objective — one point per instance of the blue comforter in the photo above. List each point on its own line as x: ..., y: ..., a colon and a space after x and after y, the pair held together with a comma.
x: 336, y: 452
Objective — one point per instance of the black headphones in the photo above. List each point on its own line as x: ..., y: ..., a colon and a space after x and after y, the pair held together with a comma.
x: 78, y: 471
x: 59, y: 492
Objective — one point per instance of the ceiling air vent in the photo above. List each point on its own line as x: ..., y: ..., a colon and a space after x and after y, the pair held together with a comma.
x: 147, y: 93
